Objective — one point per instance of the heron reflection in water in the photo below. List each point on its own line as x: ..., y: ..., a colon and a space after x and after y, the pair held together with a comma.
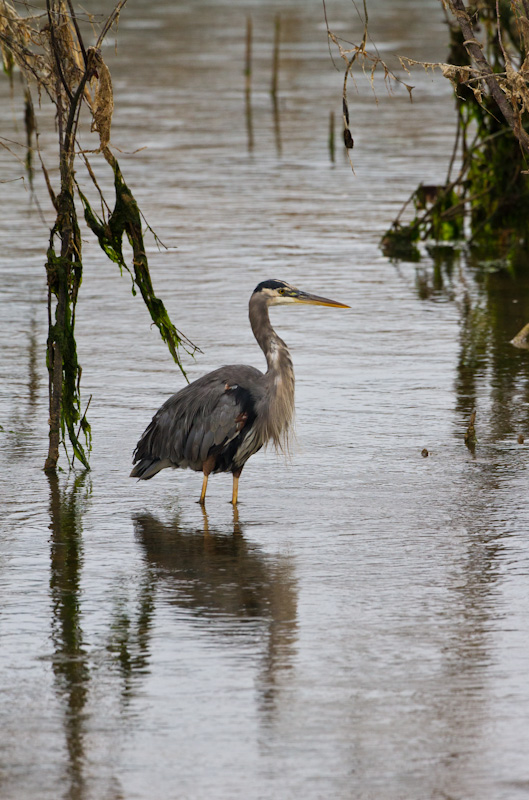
x: 218, y: 581
x: 217, y: 422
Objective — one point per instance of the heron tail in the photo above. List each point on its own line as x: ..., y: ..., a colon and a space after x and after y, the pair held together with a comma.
x: 148, y: 467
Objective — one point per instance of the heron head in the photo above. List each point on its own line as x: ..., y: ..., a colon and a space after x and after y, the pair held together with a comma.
x: 280, y: 293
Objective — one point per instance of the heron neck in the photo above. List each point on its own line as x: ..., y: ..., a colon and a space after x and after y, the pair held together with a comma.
x: 275, y: 408
x: 275, y: 350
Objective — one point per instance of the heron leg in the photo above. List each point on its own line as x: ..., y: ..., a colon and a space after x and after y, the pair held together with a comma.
x: 235, y: 494
x: 204, y: 487
x: 207, y: 468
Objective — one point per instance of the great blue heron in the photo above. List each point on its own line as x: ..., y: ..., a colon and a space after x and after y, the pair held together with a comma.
x: 217, y: 422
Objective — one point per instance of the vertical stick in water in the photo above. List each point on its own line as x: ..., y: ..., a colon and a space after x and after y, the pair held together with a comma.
x: 331, y: 135
x: 248, y: 75
x: 275, y: 62
x: 273, y: 87
x: 248, y: 67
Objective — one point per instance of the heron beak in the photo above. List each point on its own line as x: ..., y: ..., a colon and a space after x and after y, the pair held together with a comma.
x: 314, y: 300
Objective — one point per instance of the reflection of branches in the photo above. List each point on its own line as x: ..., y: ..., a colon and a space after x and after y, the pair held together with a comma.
x: 33, y: 376
x: 130, y: 636
x: 489, y: 366
x: 69, y: 660
x: 492, y: 376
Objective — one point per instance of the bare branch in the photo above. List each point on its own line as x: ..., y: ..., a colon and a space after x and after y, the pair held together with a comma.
x: 475, y: 51
x: 78, y: 32
x: 55, y: 51
x: 110, y: 21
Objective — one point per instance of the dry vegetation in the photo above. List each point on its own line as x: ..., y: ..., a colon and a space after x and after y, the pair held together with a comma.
x: 488, y: 66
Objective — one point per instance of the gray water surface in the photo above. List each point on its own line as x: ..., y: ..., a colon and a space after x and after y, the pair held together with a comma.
x: 359, y: 628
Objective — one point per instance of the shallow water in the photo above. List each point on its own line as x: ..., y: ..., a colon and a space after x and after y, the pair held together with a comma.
x: 359, y: 628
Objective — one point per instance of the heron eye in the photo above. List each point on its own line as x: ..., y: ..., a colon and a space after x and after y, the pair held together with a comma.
x: 281, y: 291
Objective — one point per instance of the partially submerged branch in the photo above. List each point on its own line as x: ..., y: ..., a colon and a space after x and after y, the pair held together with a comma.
x: 491, y: 87
x: 53, y: 57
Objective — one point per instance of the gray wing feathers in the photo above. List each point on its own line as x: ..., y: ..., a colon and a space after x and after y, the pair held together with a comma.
x: 199, y: 417
x: 207, y: 443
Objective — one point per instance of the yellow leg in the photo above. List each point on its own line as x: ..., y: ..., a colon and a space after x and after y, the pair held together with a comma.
x: 235, y: 489
x: 204, y: 487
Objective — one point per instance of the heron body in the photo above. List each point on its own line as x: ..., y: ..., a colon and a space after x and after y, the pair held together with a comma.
x: 217, y: 422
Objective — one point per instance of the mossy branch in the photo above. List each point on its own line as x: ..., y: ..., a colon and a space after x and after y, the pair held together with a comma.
x: 64, y: 273
x: 125, y: 220
x: 54, y: 57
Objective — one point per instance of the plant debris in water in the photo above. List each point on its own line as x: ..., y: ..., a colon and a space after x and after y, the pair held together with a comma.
x: 488, y: 66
